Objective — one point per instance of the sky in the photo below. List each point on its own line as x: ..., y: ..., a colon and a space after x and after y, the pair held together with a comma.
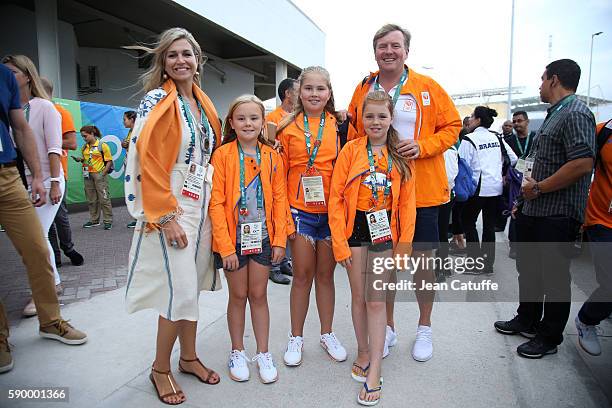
x: 465, y: 45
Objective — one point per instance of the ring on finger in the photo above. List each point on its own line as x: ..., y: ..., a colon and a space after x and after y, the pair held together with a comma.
x: 174, y: 244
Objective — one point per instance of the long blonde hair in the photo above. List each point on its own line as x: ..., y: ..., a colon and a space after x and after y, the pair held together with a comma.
x: 229, y: 134
x: 299, y: 106
x: 25, y: 65
x: 153, y: 78
x: 398, y: 161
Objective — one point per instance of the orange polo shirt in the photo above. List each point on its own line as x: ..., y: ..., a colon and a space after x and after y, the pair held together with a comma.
x: 599, y: 205
x: 276, y: 115
x: 67, y: 126
x: 295, y: 157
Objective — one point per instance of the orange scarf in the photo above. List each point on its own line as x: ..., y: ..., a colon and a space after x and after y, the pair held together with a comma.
x: 158, y: 146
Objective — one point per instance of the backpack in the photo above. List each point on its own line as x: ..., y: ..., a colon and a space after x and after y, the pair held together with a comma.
x: 465, y: 187
x: 101, y: 150
x: 512, y: 180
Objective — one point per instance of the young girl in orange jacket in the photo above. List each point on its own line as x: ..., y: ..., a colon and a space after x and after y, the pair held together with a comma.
x: 372, y: 211
x: 248, y: 211
x: 310, y: 146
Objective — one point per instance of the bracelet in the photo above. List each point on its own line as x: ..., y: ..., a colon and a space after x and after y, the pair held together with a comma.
x: 166, y: 218
x: 56, y: 179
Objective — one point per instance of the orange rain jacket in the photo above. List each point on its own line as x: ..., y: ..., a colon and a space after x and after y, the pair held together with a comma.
x: 295, y: 158
x: 225, y: 197
x: 437, y: 128
x: 352, y: 163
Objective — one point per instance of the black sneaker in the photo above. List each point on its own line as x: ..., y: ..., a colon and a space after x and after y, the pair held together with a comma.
x: 514, y: 326
x: 286, y: 268
x: 75, y: 258
x: 535, y: 348
x: 277, y: 277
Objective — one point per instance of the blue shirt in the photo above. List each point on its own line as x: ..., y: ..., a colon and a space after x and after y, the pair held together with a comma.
x: 9, y: 99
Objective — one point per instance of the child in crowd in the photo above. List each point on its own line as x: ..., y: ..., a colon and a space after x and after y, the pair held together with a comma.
x: 372, y: 208
x: 310, y: 146
x: 248, y: 208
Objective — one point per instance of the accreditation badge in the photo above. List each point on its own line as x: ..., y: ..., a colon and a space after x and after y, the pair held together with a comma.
x: 378, y: 224
x: 86, y: 172
x: 194, y: 182
x: 250, y: 238
x: 312, y: 187
x: 525, y: 166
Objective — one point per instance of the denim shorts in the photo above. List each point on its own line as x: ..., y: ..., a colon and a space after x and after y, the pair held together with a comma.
x: 426, y: 229
x: 263, y: 258
x: 311, y: 225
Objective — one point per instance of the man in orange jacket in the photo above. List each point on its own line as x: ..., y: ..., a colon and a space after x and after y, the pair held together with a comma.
x: 428, y: 124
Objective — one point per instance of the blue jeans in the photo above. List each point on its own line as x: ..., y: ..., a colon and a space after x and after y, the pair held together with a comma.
x: 599, y: 306
x: 312, y: 226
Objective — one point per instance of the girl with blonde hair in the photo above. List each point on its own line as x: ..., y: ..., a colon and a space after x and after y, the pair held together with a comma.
x: 310, y: 146
x: 249, y: 236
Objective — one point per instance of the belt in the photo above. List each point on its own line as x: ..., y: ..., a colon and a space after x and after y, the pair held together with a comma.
x: 9, y: 164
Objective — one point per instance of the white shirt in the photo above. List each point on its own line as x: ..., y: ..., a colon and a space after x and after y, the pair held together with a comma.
x: 486, y: 160
x: 451, y: 165
x: 404, y: 114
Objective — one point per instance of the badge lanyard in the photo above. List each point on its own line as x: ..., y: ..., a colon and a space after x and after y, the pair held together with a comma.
x: 26, y: 110
x: 317, y: 143
x: 397, y: 88
x: 387, y: 190
x: 567, y: 100
x: 523, y: 150
x: 244, y: 211
x: 205, y: 147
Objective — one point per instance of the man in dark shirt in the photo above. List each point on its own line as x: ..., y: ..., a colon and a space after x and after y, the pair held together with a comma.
x: 520, y: 141
x: 555, y: 194
x: 18, y: 217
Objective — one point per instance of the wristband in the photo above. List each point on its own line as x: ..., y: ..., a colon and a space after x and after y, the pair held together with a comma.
x: 56, y: 179
x: 536, y: 190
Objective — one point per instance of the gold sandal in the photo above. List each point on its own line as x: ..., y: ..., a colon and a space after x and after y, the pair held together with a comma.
x: 174, y: 392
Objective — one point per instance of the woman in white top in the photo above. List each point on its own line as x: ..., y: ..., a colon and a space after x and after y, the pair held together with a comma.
x: 46, y: 123
x: 482, y: 151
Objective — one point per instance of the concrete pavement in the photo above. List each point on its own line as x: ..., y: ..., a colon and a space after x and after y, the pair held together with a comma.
x: 473, y: 366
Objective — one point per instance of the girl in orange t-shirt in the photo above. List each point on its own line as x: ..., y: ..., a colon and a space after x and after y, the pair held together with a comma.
x: 372, y: 211
x: 310, y: 146
x: 248, y: 210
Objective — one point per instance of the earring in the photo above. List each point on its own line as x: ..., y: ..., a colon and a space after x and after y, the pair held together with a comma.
x: 165, y: 76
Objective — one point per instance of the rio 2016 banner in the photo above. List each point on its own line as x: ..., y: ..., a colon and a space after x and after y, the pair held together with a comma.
x: 109, y: 119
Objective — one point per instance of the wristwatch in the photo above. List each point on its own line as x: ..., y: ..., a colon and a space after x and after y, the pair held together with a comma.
x: 56, y: 179
x: 536, y: 190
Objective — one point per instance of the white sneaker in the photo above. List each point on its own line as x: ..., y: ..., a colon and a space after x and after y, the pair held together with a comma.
x: 238, y: 366
x: 390, y: 340
x: 587, y: 338
x: 423, y: 344
x: 267, y: 369
x: 293, y: 355
x: 333, y: 347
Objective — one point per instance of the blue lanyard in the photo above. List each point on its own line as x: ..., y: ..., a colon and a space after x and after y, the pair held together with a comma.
x: 387, y: 190
x: 204, y: 130
x: 317, y: 143
x: 398, y: 88
x: 244, y: 211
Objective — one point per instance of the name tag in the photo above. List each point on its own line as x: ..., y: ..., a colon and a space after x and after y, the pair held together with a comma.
x: 194, y: 182
x: 524, y: 166
x: 250, y: 240
x: 314, y: 194
x: 378, y: 223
